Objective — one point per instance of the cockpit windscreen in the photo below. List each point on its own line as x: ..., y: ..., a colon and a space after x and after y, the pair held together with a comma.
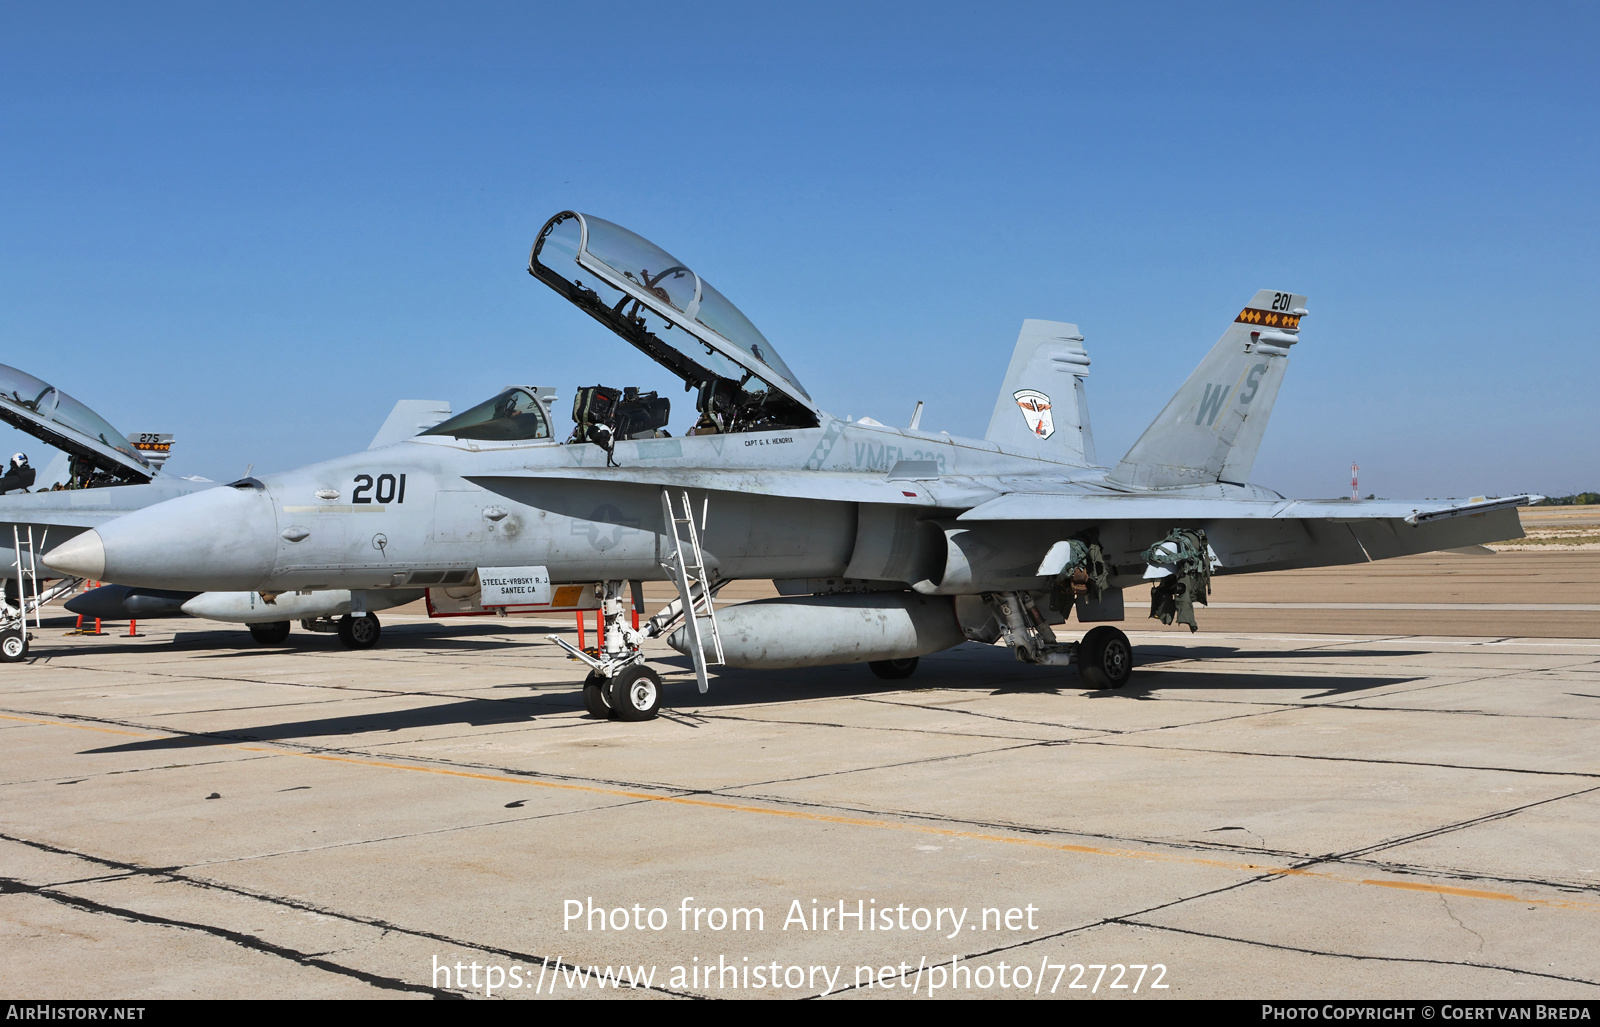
x: 513, y: 416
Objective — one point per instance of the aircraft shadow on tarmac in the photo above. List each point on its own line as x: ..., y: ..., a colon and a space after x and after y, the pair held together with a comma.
x: 973, y: 668
x: 231, y: 643
x: 992, y: 670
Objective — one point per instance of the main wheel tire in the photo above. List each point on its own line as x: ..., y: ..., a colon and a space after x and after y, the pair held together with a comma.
x: 275, y: 633
x: 13, y: 646
x: 594, y: 697
x: 359, y: 632
x: 635, y: 693
x: 1105, y: 657
x: 893, y: 670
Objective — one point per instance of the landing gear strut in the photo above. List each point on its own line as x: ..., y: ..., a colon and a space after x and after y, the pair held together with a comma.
x: 1104, y: 657
x: 619, y: 684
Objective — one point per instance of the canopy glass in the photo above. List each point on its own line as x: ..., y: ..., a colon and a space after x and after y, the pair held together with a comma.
x: 47, y: 413
x: 615, y: 265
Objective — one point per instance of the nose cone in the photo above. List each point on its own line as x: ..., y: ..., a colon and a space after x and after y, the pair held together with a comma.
x: 220, y: 539
x: 81, y: 556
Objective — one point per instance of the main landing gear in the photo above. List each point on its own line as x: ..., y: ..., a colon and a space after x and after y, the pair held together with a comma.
x: 1104, y: 657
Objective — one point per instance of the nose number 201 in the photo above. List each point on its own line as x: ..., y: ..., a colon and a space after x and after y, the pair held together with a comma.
x: 386, y: 489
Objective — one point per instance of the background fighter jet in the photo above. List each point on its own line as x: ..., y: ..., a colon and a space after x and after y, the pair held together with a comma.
x: 102, y: 474
x: 885, y: 543
x: 99, y: 474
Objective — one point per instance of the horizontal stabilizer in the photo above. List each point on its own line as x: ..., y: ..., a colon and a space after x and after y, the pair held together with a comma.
x: 1042, y: 409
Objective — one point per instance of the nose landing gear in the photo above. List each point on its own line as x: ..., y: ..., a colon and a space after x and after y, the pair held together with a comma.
x: 635, y: 693
x: 619, y: 684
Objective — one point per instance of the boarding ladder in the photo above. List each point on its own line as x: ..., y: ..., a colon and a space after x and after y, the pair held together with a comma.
x: 696, y: 592
x: 25, y: 570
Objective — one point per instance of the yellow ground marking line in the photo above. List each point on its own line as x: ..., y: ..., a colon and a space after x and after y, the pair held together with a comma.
x: 80, y: 727
x: 943, y: 832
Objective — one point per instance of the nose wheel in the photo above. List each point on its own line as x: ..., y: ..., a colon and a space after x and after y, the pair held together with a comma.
x: 595, y: 699
x: 13, y: 645
x: 635, y: 693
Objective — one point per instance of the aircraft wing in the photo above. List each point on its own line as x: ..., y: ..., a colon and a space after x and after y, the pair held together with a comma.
x: 894, y: 489
x: 1025, y: 506
x: 1248, y: 532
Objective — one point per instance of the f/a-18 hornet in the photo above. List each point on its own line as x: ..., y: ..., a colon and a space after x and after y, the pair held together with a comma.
x: 885, y: 543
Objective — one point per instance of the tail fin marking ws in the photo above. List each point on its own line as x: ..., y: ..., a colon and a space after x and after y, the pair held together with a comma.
x: 1212, y: 428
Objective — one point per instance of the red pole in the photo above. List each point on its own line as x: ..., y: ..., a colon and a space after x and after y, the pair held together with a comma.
x: 97, y: 627
x: 133, y: 629
x: 580, y: 629
x: 599, y: 630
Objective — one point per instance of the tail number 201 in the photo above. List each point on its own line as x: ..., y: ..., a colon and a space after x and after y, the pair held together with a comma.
x: 386, y: 489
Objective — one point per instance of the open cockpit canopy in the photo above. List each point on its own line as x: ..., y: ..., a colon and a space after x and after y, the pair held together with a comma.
x: 52, y: 416
x: 664, y: 308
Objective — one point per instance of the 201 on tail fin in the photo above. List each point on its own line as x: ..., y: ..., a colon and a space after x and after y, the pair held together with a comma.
x: 1212, y: 428
x: 1042, y: 408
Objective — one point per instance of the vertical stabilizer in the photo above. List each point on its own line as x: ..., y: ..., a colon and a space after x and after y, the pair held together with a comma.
x: 1042, y: 408
x: 1212, y: 429
x: 410, y: 417
x: 155, y: 447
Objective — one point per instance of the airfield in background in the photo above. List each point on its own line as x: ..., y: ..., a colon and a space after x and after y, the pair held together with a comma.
x: 1367, y: 781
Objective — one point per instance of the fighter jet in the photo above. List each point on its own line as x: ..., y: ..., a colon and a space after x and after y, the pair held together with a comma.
x: 101, y: 474
x: 106, y: 474
x: 885, y: 543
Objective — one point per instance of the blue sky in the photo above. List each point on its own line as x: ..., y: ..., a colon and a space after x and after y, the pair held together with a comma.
x: 259, y: 226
